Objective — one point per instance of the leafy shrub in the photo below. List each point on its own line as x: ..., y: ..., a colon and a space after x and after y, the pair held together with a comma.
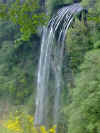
x: 21, y: 122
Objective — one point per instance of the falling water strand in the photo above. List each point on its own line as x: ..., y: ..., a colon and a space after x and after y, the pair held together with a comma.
x: 50, y: 63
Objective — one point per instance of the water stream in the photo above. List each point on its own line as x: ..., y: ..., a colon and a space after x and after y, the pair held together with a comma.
x: 49, y: 79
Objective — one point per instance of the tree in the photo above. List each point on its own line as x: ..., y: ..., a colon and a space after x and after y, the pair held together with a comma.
x: 82, y: 112
x: 26, y: 15
x: 86, y: 96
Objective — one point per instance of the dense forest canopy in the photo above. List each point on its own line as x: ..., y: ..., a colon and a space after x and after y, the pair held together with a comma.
x: 21, y: 25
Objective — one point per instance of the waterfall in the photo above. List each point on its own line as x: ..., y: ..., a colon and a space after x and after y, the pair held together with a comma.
x: 49, y: 78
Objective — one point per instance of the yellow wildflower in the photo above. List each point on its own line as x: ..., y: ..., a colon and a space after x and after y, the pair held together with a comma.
x: 30, y: 118
x: 43, y: 130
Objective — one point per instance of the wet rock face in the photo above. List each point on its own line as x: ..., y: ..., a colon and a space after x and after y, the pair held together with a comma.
x: 66, y: 4
x: 76, y: 1
x: 42, y: 3
x: 92, y: 3
x: 4, y: 1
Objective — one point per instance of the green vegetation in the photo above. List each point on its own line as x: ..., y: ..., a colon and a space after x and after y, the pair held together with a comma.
x: 19, y: 54
x: 4, y: 130
x: 17, y: 69
x: 27, y: 16
x: 82, y: 110
x: 86, y: 96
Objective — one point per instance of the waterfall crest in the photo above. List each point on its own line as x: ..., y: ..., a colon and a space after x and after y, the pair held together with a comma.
x: 49, y: 79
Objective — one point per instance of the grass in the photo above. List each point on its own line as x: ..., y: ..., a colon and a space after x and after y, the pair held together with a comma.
x: 4, y: 130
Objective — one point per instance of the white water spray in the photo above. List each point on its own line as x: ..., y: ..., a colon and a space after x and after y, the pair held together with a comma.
x: 50, y: 64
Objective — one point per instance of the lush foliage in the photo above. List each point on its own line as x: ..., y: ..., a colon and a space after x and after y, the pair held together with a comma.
x: 17, y: 63
x: 26, y: 15
x: 86, y: 96
x: 84, y: 54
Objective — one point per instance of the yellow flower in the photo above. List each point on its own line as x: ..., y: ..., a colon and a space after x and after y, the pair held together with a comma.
x: 53, y: 130
x: 30, y: 118
x: 43, y: 130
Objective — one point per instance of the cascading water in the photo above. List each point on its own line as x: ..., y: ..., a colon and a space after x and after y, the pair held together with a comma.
x: 50, y: 65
